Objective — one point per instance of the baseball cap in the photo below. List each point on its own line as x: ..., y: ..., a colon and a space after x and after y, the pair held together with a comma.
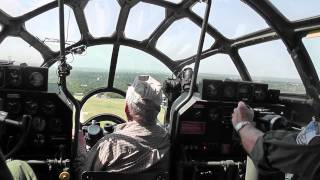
x: 145, y: 90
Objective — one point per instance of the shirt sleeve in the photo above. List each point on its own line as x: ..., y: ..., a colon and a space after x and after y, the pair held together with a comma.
x: 278, y: 151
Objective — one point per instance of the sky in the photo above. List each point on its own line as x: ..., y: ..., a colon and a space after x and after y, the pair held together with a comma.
x: 231, y: 17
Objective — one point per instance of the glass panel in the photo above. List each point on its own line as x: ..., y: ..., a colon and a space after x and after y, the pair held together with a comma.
x: 297, y: 9
x: 46, y: 28
x: 17, y: 50
x: 102, y: 17
x: 89, y: 71
x: 143, y: 20
x: 219, y: 66
x: 102, y: 103
x: 133, y: 62
x: 232, y: 18
x: 271, y: 63
x: 313, y: 47
x: 20, y: 7
x: 181, y: 40
x: 1, y: 27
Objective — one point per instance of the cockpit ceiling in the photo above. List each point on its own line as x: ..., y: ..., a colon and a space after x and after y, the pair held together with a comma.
x: 46, y: 27
x: 303, y: 9
x: 151, y: 26
x: 232, y: 18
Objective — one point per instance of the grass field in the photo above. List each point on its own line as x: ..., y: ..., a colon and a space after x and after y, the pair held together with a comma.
x: 97, y: 105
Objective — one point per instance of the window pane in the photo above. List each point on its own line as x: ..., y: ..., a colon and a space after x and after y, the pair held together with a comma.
x: 89, y: 71
x: 46, y: 27
x: 218, y: 66
x: 297, y: 9
x: 271, y: 63
x: 232, y: 18
x: 17, y: 50
x: 20, y: 7
x: 102, y: 17
x: 313, y: 47
x: 102, y: 103
x: 143, y: 20
x: 181, y: 40
x: 1, y: 27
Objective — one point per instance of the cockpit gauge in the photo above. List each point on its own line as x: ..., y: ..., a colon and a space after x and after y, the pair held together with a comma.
x: 212, y: 91
x: 48, y: 108
x: 31, y: 107
x: 39, y: 124
x: 214, y: 114
x: 229, y: 91
x: 14, y: 77
x: 260, y: 93
x: 36, y: 79
x: 244, y: 92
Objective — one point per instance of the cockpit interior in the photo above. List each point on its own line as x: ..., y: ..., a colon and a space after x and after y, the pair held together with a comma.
x: 65, y: 66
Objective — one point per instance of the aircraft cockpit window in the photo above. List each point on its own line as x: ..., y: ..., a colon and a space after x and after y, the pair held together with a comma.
x: 271, y: 63
x: 19, y: 7
x: 102, y: 17
x: 296, y: 9
x: 103, y: 103
x: 232, y: 18
x: 90, y: 70
x: 17, y: 50
x: 143, y: 19
x: 183, y: 44
x: 219, y: 66
x: 1, y: 27
x: 313, y: 46
x: 48, y: 32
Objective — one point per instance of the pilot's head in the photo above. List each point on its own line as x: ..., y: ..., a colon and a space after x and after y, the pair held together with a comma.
x: 143, y: 99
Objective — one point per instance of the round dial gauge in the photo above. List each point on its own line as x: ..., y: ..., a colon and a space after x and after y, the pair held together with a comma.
x: 244, y: 92
x: 212, y: 91
x: 260, y: 94
x: 229, y: 91
x: 39, y: 124
x: 15, y: 78
x: 36, y: 79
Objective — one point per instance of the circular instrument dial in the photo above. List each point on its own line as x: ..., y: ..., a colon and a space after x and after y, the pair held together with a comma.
x: 36, y: 79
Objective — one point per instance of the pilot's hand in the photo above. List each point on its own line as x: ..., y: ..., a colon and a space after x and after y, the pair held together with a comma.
x: 242, y: 113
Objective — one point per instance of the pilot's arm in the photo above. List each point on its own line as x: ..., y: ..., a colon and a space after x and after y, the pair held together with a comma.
x: 276, y: 150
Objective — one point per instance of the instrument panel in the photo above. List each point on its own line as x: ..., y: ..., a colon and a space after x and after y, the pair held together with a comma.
x: 238, y: 91
x: 50, y: 124
x: 24, y: 78
x: 205, y: 127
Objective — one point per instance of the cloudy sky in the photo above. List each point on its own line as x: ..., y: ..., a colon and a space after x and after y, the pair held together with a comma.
x: 231, y: 17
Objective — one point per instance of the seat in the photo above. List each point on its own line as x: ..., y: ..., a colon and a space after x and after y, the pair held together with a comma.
x: 101, y: 175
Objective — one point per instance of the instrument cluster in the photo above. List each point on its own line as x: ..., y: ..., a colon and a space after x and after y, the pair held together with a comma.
x: 24, y: 78
x: 205, y: 122
x: 50, y: 124
x: 238, y: 91
x: 48, y: 128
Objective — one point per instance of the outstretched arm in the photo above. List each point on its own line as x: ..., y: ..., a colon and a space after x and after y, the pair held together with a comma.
x: 248, y: 133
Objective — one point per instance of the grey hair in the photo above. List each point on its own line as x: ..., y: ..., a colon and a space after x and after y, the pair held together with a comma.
x: 144, y: 112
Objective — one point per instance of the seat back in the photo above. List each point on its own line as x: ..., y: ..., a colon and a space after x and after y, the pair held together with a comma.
x: 101, y: 175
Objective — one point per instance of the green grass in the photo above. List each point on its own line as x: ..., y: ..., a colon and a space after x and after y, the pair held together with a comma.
x: 99, y: 105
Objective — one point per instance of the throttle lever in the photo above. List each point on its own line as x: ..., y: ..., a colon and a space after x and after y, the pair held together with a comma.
x: 19, y: 124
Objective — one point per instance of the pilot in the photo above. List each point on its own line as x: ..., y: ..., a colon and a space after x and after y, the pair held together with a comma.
x: 138, y: 145
x: 297, y: 153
